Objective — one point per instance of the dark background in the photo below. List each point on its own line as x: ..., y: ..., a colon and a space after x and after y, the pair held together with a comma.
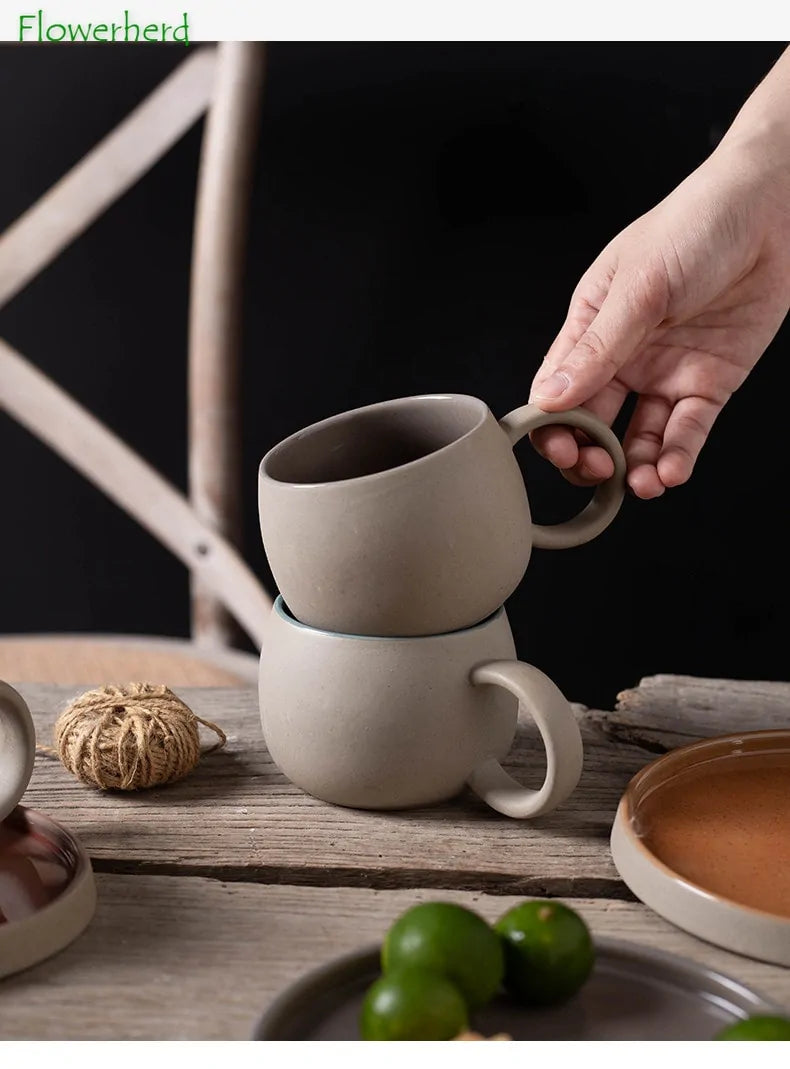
x: 421, y: 215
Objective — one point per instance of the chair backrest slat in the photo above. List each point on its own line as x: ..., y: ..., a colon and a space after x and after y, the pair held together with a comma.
x: 119, y: 160
x: 227, y: 162
x: 52, y: 415
x: 226, y: 80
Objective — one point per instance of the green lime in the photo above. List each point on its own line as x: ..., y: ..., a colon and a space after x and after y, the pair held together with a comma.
x: 413, y: 1004
x: 758, y: 1028
x: 549, y: 952
x: 450, y: 941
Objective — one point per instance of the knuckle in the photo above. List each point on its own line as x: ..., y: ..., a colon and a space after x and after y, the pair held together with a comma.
x: 649, y: 294
x: 652, y: 437
x: 689, y: 424
x: 590, y: 345
x: 591, y: 348
x: 681, y: 450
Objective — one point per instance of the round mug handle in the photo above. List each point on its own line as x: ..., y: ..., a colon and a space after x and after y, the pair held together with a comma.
x: 561, y: 737
x: 608, y: 497
x: 17, y: 748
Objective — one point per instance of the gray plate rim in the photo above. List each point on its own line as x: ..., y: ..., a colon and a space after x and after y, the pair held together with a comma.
x: 347, y: 967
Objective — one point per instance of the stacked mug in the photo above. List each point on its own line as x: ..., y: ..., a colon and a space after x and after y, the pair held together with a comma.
x: 395, y: 533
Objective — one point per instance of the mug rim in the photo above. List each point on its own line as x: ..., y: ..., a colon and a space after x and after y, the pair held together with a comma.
x: 287, y: 617
x: 282, y: 446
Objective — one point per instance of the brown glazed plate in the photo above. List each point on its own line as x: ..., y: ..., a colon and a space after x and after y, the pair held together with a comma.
x: 47, y: 889
x: 634, y: 993
x: 702, y: 836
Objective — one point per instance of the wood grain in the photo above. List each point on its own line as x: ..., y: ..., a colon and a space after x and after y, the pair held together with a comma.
x: 238, y: 818
x: 200, y: 959
x: 667, y: 711
x: 205, y: 904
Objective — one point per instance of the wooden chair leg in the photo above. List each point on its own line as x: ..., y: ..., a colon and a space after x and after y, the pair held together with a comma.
x: 223, y: 199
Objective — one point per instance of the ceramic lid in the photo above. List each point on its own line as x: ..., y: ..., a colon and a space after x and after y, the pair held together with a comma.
x: 47, y: 889
x: 702, y: 836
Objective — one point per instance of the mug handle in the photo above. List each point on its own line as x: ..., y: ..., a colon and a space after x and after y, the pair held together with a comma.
x: 561, y: 737
x: 608, y: 496
x: 17, y: 748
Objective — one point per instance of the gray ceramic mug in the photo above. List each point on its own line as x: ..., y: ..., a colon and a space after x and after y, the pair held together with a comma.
x: 411, y: 517
x: 17, y: 748
x: 393, y: 723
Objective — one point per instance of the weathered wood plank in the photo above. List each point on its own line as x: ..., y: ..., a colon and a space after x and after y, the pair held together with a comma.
x: 666, y: 711
x: 198, y: 959
x: 237, y: 817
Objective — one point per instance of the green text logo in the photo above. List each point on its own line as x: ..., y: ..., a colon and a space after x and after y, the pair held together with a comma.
x: 35, y: 27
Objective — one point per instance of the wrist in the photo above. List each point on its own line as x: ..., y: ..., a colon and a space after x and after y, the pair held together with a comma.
x: 757, y: 155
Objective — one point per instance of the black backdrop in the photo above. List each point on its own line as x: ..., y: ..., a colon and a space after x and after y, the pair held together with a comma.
x: 422, y: 213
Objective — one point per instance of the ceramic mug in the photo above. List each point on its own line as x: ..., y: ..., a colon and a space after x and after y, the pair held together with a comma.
x: 392, y: 723
x: 17, y: 748
x: 411, y: 517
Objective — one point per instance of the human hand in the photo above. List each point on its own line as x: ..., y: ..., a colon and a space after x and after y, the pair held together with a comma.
x: 678, y: 308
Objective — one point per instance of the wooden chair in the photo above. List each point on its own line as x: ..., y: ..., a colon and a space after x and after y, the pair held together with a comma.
x: 225, y: 82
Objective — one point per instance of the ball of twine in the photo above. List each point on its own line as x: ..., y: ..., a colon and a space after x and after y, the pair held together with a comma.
x: 131, y: 737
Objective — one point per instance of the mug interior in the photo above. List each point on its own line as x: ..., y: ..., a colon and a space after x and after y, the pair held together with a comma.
x: 375, y: 439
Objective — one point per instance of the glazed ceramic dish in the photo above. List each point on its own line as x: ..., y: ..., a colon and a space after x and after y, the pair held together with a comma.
x: 702, y: 836
x: 47, y: 890
x: 634, y: 993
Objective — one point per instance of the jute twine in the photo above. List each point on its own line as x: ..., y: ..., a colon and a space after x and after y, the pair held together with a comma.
x: 131, y: 737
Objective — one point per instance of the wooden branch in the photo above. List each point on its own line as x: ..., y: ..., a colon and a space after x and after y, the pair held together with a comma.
x: 106, y: 172
x: 68, y: 428
x: 215, y: 314
x: 668, y: 711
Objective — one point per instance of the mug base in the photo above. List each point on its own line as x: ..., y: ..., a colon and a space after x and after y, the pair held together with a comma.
x: 380, y: 805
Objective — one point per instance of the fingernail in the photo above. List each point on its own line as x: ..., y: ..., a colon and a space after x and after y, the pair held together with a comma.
x: 554, y: 386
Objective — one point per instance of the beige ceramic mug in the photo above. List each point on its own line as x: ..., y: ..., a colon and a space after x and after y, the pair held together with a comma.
x: 411, y: 517
x: 392, y: 723
x: 17, y: 748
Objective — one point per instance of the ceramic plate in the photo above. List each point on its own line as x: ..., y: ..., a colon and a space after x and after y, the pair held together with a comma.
x: 701, y: 836
x: 634, y: 993
x: 47, y: 890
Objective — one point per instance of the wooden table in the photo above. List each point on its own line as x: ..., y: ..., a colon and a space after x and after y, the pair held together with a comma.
x: 216, y: 892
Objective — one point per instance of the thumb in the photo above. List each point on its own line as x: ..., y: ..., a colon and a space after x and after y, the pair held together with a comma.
x: 626, y: 318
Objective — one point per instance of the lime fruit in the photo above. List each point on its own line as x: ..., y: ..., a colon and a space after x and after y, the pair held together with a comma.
x: 549, y: 952
x: 413, y: 1004
x: 450, y: 941
x: 758, y: 1028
